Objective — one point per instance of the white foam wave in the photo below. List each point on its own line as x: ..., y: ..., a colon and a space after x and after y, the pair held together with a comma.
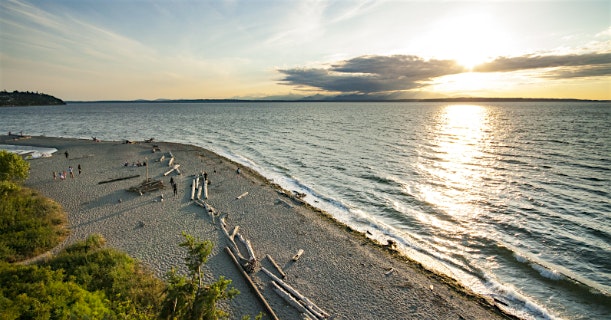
x: 547, y: 273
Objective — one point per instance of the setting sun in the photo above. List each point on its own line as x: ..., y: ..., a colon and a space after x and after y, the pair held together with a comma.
x: 470, y: 39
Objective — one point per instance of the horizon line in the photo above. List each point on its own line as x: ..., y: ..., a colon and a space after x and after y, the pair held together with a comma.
x: 339, y: 99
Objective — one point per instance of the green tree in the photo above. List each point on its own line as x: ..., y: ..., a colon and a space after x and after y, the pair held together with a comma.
x: 189, y: 297
x: 12, y: 167
x: 33, y: 292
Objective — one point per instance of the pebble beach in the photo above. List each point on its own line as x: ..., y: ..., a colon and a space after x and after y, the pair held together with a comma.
x: 343, y: 272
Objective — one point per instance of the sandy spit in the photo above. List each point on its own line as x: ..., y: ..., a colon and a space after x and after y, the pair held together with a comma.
x: 341, y: 271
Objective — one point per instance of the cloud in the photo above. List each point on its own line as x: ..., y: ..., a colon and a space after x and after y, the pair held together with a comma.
x: 567, y: 66
x: 372, y: 74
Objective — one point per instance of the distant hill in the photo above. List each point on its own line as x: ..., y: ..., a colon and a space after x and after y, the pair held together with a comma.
x: 17, y: 98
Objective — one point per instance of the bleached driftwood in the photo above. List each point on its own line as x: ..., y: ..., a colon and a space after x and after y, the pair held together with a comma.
x: 273, y: 262
x: 199, y: 192
x: 252, y: 285
x: 210, y: 208
x: 389, y: 272
x: 193, y: 189
x: 301, y: 298
x: 232, y: 245
x: 292, y: 301
x: 171, y: 161
x: 162, y: 158
x: 235, y: 231
x: 205, y: 188
x: 298, y: 255
x: 242, y: 195
x: 249, y: 249
x: 175, y: 168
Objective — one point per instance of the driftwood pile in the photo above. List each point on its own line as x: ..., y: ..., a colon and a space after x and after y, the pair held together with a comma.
x: 244, y: 257
x: 147, y: 186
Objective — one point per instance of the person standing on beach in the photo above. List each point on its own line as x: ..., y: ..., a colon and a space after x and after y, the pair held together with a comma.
x: 54, y: 175
x: 79, y: 169
x: 175, y: 189
x: 66, y: 153
x: 71, y: 170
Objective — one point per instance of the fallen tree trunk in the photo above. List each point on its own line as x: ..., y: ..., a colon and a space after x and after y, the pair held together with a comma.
x: 306, y: 302
x: 175, y: 168
x: 199, y: 192
x: 193, y: 189
x: 291, y: 300
x: 119, y: 179
x: 273, y: 262
x: 233, y: 246
x: 205, y: 188
x: 249, y: 249
x: 252, y: 285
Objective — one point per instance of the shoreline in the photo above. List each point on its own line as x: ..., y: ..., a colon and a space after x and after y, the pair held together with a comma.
x: 343, y: 271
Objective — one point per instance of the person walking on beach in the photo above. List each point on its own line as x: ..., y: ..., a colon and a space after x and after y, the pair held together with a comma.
x: 66, y: 153
x: 175, y: 189
x: 71, y: 170
x: 54, y: 175
x: 79, y: 169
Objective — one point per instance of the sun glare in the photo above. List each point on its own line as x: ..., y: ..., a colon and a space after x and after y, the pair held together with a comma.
x: 461, y: 132
x: 469, y: 38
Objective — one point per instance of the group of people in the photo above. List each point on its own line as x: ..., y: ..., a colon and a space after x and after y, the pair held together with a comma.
x: 135, y: 164
x: 63, y: 175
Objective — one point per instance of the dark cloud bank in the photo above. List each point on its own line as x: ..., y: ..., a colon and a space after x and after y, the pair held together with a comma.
x: 390, y: 75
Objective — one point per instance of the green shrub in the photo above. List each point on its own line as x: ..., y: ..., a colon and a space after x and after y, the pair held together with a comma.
x: 130, y: 287
x: 29, y: 223
x: 190, y: 297
x: 13, y: 167
x: 33, y: 292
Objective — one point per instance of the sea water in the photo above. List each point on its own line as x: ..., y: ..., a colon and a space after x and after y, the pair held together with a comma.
x: 511, y: 199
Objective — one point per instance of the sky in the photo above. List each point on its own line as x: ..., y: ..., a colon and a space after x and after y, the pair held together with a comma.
x: 260, y: 49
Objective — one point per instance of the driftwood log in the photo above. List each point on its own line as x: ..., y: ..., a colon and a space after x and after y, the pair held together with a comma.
x: 147, y: 186
x: 193, y: 189
x: 199, y: 192
x: 205, y: 188
x: 273, y: 262
x: 175, y: 168
x: 301, y: 298
x: 298, y: 255
x: 292, y: 301
x: 249, y: 249
x: 252, y: 285
x: 232, y: 245
x: 242, y: 195
x: 119, y: 179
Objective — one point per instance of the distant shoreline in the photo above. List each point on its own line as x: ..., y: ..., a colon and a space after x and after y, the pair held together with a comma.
x: 466, y: 99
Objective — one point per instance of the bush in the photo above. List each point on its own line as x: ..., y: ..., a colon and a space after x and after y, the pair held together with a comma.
x: 29, y: 224
x: 191, y: 298
x: 13, y: 167
x: 33, y: 292
x: 132, y: 289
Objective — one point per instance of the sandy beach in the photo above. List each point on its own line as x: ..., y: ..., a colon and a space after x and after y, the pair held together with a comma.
x: 343, y: 272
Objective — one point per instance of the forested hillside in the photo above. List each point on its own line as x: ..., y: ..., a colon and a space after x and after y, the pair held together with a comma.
x: 17, y: 98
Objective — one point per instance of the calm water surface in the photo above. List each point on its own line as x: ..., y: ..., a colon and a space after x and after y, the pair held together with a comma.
x: 512, y: 199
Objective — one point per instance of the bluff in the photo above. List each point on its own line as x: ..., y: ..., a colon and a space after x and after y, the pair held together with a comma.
x: 17, y: 98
